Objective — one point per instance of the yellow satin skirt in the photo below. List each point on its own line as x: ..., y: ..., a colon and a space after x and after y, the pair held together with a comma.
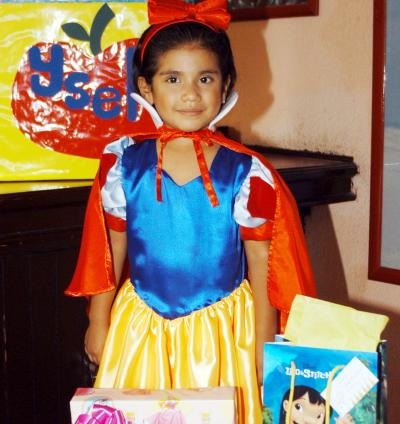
x: 214, y: 346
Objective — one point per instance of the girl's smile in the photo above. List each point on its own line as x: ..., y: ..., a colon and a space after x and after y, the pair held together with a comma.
x: 187, y: 89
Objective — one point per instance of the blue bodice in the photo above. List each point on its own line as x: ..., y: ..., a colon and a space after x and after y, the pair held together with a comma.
x: 183, y: 253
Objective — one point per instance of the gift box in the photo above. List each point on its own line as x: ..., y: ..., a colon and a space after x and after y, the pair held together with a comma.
x: 140, y: 406
x: 325, y: 385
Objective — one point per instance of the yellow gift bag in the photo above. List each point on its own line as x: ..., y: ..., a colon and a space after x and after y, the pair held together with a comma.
x: 332, y: 370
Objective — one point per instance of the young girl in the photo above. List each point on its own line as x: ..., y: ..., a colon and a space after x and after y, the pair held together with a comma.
x: 189, y: 208
x: 308, y: 406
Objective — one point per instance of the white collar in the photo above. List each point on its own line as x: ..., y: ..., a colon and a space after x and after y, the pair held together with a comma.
x: 226, y: 108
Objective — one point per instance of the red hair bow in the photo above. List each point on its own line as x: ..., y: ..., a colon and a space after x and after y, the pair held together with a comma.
x: 212, y: 13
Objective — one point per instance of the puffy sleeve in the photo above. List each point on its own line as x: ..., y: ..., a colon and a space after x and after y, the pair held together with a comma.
x: 112, y: 192
x: 255, y: 203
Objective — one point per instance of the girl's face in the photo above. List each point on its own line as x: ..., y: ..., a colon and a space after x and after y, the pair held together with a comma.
x: 305, y: 412
x: 187, y: 89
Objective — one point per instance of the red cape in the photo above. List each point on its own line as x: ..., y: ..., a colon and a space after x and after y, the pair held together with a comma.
x: 289, y: 269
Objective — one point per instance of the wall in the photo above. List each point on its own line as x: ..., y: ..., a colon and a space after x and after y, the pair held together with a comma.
x: 305, y: 83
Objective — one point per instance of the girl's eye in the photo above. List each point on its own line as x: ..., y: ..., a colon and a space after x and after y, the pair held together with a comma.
x: 298, y: 407
x: 172, y: 80
x: 205, y: 79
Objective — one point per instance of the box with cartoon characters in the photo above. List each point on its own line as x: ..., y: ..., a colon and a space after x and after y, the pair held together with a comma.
x: 139, y: 406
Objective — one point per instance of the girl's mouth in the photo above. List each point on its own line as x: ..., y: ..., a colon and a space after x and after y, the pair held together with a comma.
x: 190, y: 112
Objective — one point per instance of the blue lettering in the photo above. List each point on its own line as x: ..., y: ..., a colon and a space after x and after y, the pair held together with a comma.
x: 83, y: 98
x: 54, y: 67
x: 106, y: 100
x: 99, y: 102
x: 131, y: 104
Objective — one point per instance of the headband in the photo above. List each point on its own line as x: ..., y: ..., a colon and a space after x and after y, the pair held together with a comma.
x: 162, y: 13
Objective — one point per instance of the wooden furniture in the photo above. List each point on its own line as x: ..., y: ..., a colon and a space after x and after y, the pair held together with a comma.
x: 42, y: 330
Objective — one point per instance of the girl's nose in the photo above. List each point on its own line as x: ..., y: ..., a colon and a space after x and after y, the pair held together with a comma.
x: 191, y: 92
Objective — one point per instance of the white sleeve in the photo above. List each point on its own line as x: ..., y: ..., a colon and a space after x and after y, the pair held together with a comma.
x: 241, y: 212
x: 112, y: 193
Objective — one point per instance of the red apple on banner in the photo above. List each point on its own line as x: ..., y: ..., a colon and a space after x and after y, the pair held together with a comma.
x: 69, y: 101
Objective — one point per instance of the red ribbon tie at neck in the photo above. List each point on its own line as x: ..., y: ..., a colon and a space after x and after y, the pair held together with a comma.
x: 205, y: 136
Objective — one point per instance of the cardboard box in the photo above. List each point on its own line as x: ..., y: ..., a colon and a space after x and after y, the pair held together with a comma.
x: 139, y: 406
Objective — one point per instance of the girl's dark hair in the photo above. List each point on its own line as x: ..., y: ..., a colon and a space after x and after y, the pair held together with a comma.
x: 177, y: 35
x: 299, y: 391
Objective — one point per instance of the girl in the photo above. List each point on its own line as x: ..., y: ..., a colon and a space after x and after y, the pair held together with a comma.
x: 187, y: 206
x: 308, y: 407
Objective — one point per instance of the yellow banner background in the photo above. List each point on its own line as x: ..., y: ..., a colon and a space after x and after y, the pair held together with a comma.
x: 23, y: 25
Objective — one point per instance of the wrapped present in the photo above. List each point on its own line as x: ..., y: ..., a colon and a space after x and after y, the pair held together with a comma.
x: 140, y: 406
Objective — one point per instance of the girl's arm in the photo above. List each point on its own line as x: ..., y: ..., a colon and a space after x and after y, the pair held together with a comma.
x: 100, y: 304
x: 266, y: 315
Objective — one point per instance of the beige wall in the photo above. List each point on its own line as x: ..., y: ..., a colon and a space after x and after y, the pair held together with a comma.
x: 305, y: 83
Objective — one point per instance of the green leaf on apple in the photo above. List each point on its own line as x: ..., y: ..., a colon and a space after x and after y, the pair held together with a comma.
x: 76, y: 31
x: 100, y: 22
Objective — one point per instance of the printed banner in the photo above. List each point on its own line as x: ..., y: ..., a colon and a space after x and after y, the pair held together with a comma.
x: 65, y: 82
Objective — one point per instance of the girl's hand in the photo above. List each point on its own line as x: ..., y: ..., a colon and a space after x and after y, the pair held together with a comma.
x: 94, y: 341
x: 100, y: 304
